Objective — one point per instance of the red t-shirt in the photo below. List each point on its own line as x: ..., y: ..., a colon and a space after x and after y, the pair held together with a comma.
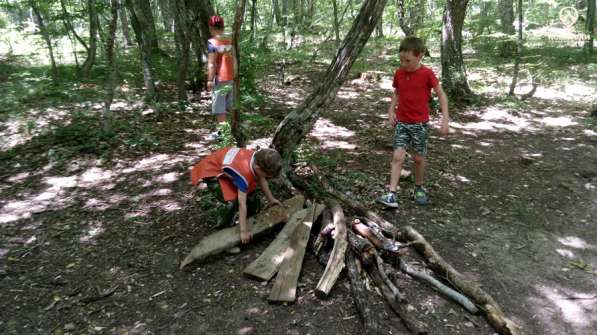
x: 414, y: 89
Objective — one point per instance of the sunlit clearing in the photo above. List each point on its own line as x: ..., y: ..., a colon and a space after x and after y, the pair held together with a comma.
x: 30, y: 240
x: 90, y: 232
x: 19, y: 177
x: 565, y: 253
x: 386, y: 84
x: 590, y: 132
x: 562, y: 121
x: 574, y: 242
x: 576, y: 91
x: 459, y: 146
x: 148, y: 111
x: 485, y: 144
x: 169, y: 206
x: 579, y: 313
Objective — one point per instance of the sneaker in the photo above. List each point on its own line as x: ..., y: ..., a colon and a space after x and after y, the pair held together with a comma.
x: 389, y: 199
x: 421, y: 196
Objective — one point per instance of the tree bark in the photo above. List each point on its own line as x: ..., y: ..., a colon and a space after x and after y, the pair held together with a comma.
x: 506, y: 15
x: 238, y: 21
x: 183, y: 43
x: 144, y: 17
x: 111, y: 79
x: 199, y: 13
x: 145, y: 51
x: 92, y: 50
x: 453, y: 70
x: 46, y: 36
x: 277, y: 13
x: 519, y: 46
x: 69, y: 25
x: 590, y: 25
x: 361, y: 298
x: 253, y: 20
x: 124, y: 24
x: 410, y: 17
x: 335, y: 264
x: 298, y: 123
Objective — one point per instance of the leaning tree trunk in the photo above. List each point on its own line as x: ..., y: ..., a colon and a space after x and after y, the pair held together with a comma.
x: 410, y: 17
x: 46, y: 36
x: 181, y: 30
x: 198, y: 15
x: 518, y: 51
x: 238, y: 21
x: 453, y: 69
x: 144, y: 52
x: 298, y: 123
x: 92, y: 50
x: 111, y: 80
x: 590, y: 25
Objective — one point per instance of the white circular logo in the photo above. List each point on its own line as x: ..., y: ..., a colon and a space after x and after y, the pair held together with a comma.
x: 568, y: 16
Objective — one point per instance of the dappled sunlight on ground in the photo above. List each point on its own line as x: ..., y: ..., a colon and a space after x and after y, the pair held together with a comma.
x: 332, y: 136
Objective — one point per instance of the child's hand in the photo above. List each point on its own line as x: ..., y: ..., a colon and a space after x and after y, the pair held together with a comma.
x: 210, y: 85
x: 276, y: 202
x: 245, y: 236
x: 392, y: 119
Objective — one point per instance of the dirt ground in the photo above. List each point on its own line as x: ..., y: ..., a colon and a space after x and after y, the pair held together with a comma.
x: 93, y: 246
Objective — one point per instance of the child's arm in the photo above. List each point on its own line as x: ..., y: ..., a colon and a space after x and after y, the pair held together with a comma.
x: 212, y: 59
x: 268, y: 194
x: 392, y: 109
x: 443, y: 105
x: 245, y: 232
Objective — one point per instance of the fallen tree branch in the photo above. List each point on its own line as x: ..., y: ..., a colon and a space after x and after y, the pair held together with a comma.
x: 493, y: 312
x: 370, y: 320
x: 336, y: 262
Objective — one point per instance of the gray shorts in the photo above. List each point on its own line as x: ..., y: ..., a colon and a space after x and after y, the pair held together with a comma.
x: 412, y: 136
x: 222, y: 98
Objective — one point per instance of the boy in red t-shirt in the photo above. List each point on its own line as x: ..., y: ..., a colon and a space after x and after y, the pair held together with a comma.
x: 410, y: 116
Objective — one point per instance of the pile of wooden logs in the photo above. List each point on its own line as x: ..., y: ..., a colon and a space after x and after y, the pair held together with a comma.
x: 371, y: 250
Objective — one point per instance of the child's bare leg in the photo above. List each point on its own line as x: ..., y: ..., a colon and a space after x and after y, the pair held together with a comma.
x: 221, y: 118
x: 397, y: 161
x: 419, y: 169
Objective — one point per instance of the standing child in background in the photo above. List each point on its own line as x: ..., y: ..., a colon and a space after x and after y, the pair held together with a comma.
x: 409, y: 114
x: 220, y: 71
x: 233, y: 175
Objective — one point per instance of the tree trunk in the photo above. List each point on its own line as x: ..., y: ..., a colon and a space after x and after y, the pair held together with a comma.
x: 410, y: 17
x: 124, y: 24
x: 453, y: 69
x: 111, y: 79
x: 298, y: 123
x: 181, y: 30
x: 198, y: 14
x: 144, y: 52
x: 590, y: 25
x: 506, y: 15
x: 336, y: 25
x: 518, y: 51
x: 92, y: 50
x: 46, y: 36
x: 167, y: 15
x: 69, y: 25
x: 238, y: 21
x: 277, y: 13
x: 253, y: 20
x: 146, y: 23
x: 379, y: 28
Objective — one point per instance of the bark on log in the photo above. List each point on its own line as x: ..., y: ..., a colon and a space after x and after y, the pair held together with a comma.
x: 375, y: 237
x: 230, y: 237
x: 388, y: 290
x: 493, y: 312
x: 327, y: 225
x: 445, y: 290
x: 362, y: 248
x: 336, y: 262
x: 370, y: 320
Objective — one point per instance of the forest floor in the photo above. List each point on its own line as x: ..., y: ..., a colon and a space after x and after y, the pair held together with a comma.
x: 91, y: 244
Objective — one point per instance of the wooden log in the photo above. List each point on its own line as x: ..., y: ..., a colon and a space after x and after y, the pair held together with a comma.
x: 362, y: 248
x: 335, y: 264
x: 268, y: 263
x: 445, y: 290
x: 375, y: 237
x: 327, y: 225
x: 284, y: 289
x: 362, y: 299
x: 227, y: 238
x: 493, y: 312
x: 388, y: 291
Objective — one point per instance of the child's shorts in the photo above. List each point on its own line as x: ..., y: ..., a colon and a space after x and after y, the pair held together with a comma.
x: 411, y: 136
x: 222, y: 97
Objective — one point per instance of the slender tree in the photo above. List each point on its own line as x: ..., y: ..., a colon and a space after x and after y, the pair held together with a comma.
x: 590, y: 25
x: 93, y: 31
x: 298, y: 123
x: 519, y: 46
x: 506, y: 15
x: 238, y: 21
x: 145, y: 51
x: 183, y: 44
x: 124, y: 24
x: 46, y: 36
x: 111, y: 79
x: 453, y: 70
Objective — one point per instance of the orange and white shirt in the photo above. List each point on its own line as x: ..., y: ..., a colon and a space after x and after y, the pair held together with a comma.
x: 222, y: 46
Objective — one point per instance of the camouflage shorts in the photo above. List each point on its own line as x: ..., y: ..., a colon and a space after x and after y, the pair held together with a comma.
x: 412, y: 136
